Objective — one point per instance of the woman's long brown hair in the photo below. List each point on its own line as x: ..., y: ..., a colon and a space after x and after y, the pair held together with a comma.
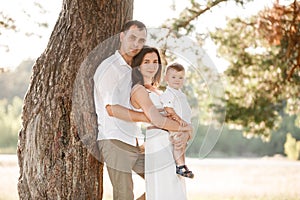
x: 137, y: 77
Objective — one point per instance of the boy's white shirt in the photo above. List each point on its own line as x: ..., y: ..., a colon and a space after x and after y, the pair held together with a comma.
x: 177, y: 100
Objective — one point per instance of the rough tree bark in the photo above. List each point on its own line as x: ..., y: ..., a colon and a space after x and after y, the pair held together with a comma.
x: 54, y: 163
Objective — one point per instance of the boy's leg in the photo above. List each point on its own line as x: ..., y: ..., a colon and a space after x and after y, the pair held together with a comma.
x: 179, y: 156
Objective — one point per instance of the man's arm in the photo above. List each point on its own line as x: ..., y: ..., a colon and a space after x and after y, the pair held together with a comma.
x: 172, y: 114
x: 126, y: 114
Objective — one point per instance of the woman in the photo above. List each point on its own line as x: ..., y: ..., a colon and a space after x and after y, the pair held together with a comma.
x: 160, y: 169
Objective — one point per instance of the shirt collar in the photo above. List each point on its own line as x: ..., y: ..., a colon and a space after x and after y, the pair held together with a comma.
x: 174, y: 90
x: 121, y: 59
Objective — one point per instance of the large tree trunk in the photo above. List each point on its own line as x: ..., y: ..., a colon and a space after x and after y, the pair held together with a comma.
x: 58, y: 108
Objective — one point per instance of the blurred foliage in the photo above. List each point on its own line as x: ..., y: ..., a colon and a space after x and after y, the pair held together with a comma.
x: 262, y: 83
x: 258, y: 90
x: 29, y: 19
x: 14, y: 85
x: 10, y: 124
x: 231, y: 142
x: 292, y: 147
x: 184, y: 23
x: 16, y: 82
x: 6, y: 23
x: 280, y: 25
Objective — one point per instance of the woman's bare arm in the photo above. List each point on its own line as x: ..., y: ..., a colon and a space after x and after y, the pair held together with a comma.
x: 140, y: 96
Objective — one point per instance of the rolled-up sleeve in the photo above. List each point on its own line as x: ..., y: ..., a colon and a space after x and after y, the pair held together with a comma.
x: 167, y: 99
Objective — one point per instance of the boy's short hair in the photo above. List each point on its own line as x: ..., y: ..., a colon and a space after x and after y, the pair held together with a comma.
x: 176, y: 66
x: 130, y: 23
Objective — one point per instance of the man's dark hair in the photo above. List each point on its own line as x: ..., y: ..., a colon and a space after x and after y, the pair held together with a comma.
x: 130, y: 23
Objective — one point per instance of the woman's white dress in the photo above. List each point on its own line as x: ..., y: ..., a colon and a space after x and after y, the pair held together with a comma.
x: 162, y: 182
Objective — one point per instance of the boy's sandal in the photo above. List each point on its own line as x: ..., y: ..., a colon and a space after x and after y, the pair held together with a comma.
x: 184, y: 171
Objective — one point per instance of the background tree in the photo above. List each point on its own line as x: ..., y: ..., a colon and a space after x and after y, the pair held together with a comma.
x: 6, y: 23
x: 258, y: 87
x: 261, y: 80
x: 12, y: 23
x: 280, y: 26
x: 53, y: 162
x: 184, y: 23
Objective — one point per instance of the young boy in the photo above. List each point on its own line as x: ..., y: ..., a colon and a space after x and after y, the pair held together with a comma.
x: 176, y: 105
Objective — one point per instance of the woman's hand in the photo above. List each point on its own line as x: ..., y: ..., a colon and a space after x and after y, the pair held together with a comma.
x: 187, y: 129
x: 182, y: 122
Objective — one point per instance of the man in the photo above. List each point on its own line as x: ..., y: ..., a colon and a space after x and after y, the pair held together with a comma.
x: 117, y: 138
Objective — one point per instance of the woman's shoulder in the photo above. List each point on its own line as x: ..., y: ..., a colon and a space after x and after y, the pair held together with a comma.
x: 138, y: 88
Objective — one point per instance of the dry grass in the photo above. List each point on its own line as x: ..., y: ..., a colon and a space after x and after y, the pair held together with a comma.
x: 215, y: 179
x: 9, y: 173
x: 245, y: 179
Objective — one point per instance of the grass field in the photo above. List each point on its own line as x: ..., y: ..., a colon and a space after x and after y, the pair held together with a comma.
x: 215, y: 179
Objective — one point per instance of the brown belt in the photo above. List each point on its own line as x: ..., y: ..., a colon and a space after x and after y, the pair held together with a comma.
x: 152, y: 127
x: 155, y: 127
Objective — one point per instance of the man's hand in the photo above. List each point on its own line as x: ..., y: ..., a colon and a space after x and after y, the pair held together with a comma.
x: 109, y: 110
x: 126, y: 114
x: 176, y: 118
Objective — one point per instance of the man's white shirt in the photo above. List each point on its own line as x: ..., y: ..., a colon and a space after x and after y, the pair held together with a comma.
x: 112, y: 85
